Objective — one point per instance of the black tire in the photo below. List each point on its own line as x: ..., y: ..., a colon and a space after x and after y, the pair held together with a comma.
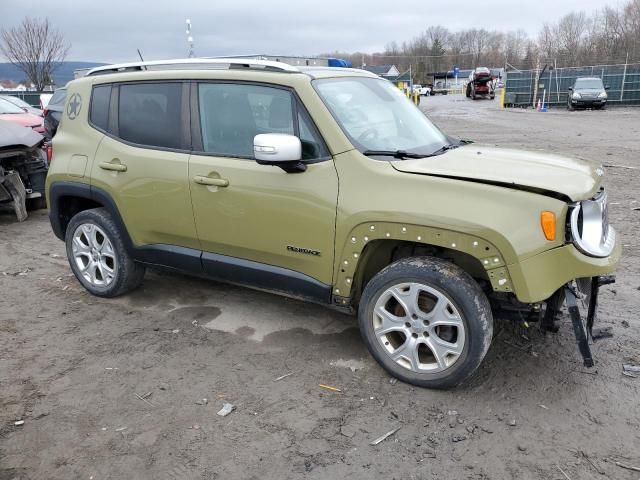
x: 468, y: 91
x: 128, y: 274
x: 459, y: 289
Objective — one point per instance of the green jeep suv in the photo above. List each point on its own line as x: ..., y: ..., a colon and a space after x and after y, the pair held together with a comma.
x: 328, y: 185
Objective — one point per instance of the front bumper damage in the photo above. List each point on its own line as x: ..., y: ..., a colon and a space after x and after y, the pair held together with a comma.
x: 581, y: 298
x: 12, y: 190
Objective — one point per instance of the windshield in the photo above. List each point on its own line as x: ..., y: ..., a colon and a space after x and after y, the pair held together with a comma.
x: 8, y: 107
x: 16, y: 101
x: 376, y: 115
x: 588, y: 83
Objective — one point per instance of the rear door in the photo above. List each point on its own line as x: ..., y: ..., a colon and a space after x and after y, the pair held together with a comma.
x: 264, y: 215
x: 142, y: 162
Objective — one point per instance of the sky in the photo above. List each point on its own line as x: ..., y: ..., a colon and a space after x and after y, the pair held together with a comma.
x: 112, y: 30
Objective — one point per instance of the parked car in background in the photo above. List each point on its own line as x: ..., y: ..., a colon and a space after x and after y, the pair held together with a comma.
x: 53, y: 112
x: 44, y: 100
x: 18, y: 102
x: 480, y: 84
x: 14, y: 114
x: 23, y: 169
x: 587, y: 92
x: 422, y: 91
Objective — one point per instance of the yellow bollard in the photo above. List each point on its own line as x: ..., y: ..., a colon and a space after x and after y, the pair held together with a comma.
x: 502, y: 95
x: 416, y: 99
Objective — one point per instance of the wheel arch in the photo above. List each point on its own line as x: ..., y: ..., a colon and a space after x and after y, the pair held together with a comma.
x: 66, y: 199
x: 372, y: 246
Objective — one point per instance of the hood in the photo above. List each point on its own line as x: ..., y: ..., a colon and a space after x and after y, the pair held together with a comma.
x: 12, y: 135
x: 589, y: 92
x: 554, y: 175
x: 24, y: 119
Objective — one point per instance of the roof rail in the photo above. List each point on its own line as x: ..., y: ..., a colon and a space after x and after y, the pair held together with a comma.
x: 195, y: 63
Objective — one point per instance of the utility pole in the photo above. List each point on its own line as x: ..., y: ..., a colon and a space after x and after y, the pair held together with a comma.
x: 624, y: 77
x: 536, y: 79
x: 190, y: 39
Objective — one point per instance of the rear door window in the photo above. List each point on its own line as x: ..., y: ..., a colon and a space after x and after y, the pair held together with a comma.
x: 150, y: 114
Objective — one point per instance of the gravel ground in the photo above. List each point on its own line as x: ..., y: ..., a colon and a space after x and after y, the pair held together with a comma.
x: 113, y: 389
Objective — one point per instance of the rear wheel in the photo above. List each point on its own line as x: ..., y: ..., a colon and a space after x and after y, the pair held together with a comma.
x: 426, y: 321
x: 98, y: 256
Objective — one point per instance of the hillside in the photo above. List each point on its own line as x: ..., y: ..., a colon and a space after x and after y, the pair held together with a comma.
x: 61, y: 76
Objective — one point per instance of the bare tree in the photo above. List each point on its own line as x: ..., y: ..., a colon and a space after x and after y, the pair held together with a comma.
x: 36, y: 48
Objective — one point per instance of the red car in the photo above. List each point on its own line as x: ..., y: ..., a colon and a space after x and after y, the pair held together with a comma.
x: 12, y: 113
x: 480, y: 84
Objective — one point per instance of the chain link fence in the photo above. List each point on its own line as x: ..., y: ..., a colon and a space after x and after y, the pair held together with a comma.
x: 623, y: 82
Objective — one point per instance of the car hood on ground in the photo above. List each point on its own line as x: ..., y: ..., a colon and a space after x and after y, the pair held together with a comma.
x: 544, y: 173
x: 24, y: 119
x: 13, y: 135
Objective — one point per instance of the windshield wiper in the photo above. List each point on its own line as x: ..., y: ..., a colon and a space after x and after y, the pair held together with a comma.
x: 393, y: 153
x: 443, y: 149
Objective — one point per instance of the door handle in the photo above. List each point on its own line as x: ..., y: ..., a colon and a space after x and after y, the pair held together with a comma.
x: 214, y: 182
x: 115, y: 167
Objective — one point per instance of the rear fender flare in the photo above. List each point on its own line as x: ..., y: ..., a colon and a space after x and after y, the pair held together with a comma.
x: 60, y: 190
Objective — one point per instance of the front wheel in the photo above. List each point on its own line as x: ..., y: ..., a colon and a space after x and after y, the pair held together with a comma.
x: 426, y: 322
x: 98, y: 256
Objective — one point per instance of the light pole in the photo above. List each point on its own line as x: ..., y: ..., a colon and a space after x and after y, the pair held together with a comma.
x: 190, y: 39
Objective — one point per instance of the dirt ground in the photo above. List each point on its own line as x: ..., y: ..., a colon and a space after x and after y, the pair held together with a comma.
x: 77, y: 368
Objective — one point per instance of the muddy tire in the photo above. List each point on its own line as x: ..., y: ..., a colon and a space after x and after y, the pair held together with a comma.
x: 426, y: 321
x: 98, y: 257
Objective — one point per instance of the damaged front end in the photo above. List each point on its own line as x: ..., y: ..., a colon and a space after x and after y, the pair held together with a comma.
x: 23, y: 168
x: 581, y: 298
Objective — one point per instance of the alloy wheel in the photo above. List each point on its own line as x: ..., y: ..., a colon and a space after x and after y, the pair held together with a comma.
x: 419, y: 327
x: 93, y: 254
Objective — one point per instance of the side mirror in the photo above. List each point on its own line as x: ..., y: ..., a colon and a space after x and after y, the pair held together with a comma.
x: 607, y: 87
x: 570, y: 89
x: 279, y: 149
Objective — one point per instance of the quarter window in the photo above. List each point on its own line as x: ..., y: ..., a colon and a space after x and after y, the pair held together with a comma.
x: 99, y: 115
x: 150, y: 114
x: 231, y: 115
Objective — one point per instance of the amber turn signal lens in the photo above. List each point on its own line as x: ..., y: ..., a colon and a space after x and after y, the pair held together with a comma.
x: 548, y: 224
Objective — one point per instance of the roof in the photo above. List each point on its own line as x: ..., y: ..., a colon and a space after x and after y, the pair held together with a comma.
x: 327, y: 72
x: 227, y: 65
x: 378, y: 69
x: 405, y: 77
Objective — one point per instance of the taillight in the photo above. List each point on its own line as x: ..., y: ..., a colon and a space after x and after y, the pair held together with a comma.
x: 49, y: 153
x: 45, y: 111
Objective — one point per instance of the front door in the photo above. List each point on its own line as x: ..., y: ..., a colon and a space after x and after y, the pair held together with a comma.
x: 260, y: 225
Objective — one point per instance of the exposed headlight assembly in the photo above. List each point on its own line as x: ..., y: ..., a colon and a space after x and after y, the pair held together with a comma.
x: 603, y: 95
x: 590, y: 229
x: 576, y: 96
